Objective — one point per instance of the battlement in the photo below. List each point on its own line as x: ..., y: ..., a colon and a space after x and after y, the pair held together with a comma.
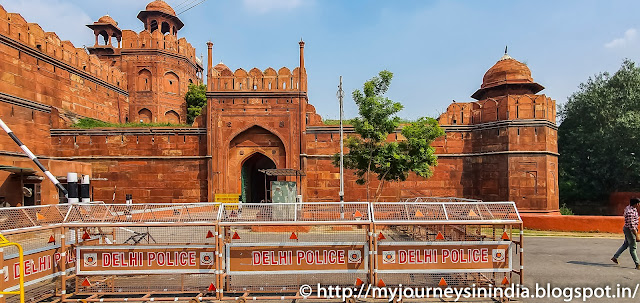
x: 223, y: 79
x: 508, y: 107
x: 158, y: 41
x: 32, y: 36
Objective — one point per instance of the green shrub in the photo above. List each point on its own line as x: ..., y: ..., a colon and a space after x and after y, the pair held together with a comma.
x: 565, y: 210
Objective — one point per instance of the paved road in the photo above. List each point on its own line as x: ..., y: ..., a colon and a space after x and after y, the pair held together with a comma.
x: 578, y: 262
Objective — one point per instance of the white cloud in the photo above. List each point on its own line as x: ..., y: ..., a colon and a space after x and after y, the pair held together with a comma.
x: 66, y: 20
x: 265, y: 6
x: 630, y: 36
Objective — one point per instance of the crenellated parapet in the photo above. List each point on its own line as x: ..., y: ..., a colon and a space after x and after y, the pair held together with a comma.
x: 146, y: 40
x: 30, y: 37
x: 223, y: 79
x: 509, y: 107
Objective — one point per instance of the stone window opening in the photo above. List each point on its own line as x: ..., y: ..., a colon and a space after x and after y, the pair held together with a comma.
x: 165, y: 29
x: 153, y: 26
x: 144, y: 80
x: 172, y: 83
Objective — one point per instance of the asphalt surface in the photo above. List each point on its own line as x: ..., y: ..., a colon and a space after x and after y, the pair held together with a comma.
x: 578, y: 262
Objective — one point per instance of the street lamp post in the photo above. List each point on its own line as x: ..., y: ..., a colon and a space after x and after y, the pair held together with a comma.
x: 340, y: 95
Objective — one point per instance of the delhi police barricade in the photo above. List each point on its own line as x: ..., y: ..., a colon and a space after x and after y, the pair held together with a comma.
x: 207, y: 251
x: 276, y: 248
x: 447, y: 244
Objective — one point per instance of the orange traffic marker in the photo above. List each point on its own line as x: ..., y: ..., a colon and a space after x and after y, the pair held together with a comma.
x: 357, y: 214
x: 235, y: 236
x: 86, y: 282
x: 86, y: 236
x: 210, y: 235
x: 293, y: 236
x: 472, y: 213
x: 359, y: 282
x: 39, y: 216
x: 442, y: 282
x: 212, y: 288
x: 52, y: 239
x: 381, y: 283
x: 418, y: 214
x: 505, y: 281
x: 505, y: 236
x: 440, y: 236
x: 381, y: 236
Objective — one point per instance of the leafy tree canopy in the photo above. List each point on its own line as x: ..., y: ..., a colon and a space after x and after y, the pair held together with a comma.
x: 369, y: 151
x: 196, y: 100
x: 599, y: 138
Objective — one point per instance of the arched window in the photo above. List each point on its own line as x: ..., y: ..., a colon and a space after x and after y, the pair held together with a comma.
x: 144, y: 80
x: 165, y: 28
x: 153, y: 26
x: 105, y: 37
x: 145, y: 116
x: 171, y: 83
x: 172, y: 117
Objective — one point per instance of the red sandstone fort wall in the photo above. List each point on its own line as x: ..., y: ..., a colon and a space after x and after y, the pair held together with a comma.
x: 39, y: 67
x: 498, y: 149
x: 154, y: 165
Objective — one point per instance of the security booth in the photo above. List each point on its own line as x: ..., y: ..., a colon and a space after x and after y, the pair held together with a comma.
x: 279, y: 190
x: 269, y: 250
x: 457, y: 244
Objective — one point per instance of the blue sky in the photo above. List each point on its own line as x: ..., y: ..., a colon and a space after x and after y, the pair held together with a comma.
x: 437, y: 50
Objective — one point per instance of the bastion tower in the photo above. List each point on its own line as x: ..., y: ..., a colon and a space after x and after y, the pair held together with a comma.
x: 510, y: 138
x: 158, y: 65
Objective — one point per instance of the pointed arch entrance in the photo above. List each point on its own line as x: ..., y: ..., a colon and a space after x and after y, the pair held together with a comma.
x: 255, y: 185
x: 250, y: 150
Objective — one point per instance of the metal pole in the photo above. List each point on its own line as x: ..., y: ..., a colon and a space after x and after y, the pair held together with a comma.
x: 33, y: 158
x: 341, y: 193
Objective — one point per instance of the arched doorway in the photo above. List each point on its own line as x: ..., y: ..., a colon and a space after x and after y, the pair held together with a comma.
x: 253, y: 182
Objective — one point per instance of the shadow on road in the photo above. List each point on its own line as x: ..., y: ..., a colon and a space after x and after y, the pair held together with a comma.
x: 591, y: 264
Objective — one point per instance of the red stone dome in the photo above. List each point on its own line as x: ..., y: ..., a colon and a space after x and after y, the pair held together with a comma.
x: 220, y: 66
x: 161, y: 6
x: 107, y: 19
x: 507, y: 70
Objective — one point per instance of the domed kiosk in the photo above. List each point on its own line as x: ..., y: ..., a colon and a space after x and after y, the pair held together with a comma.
x: 507, y: 76
x: 158, y: 15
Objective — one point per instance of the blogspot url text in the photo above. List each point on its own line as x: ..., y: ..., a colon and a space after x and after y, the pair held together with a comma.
x: 513, y: 291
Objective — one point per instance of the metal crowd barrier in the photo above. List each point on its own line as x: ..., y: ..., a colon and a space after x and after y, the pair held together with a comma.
x: 211, y: 251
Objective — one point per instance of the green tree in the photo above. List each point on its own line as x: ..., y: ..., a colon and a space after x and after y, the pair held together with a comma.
x: 196, y: 100
x: 599, y: 138
x: 369, y: 151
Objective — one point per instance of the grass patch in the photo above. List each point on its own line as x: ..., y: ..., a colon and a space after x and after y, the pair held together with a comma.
x: 349, y: 121
x: 336, y: 122
x: 88, y: 123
